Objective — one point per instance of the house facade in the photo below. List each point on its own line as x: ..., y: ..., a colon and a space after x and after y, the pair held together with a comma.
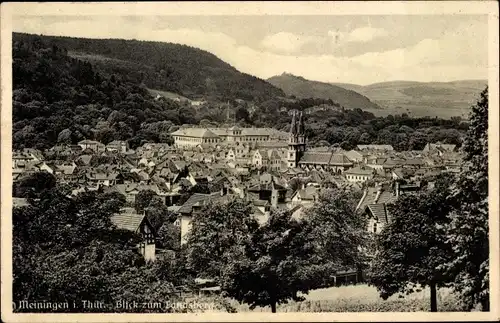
x: 359, y: 174
x: 129, y: 220
x: 192, y: 137
x: 93, y: 145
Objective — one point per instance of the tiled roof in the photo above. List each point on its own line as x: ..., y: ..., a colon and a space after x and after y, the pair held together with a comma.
x: 324, y: 158
x: 244, y: 131
x: 128, y: 219
x: 66, y: 169
x: 414, y: 161
x: 271, y: 144
x: 375, y: 147
x: 371, y: 196
x: 308, y: 193
x: 359, y: 171
x: 85, y: 159
x: 116, y: 142
x: 89, y: 142
x: 199, y: 199
x: 260, y: 202
x: 403, y: 172
x: 195, y: 132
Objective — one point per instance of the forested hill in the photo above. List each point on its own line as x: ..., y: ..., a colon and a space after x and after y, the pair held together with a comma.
x: 177, y: 68
x: 59, y: 99
x: 302, y: 88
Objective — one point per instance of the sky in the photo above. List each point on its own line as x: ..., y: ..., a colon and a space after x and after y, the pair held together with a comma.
x: 359, y: 49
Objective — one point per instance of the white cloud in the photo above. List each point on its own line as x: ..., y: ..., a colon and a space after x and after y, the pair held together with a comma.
x: 454, y: 55
x: 359, y: 35
x: 288, y: 42
x: 366, y: 34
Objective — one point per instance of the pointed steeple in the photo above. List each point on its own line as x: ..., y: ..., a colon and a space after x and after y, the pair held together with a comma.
x: 293, y: 126
x: 300, y: 125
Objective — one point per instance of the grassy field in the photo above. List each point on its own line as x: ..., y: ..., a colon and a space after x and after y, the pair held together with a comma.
x: 359, y: 298
x: 166, y: 94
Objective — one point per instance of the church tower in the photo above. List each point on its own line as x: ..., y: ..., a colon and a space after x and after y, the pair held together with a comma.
x: 297, y: 139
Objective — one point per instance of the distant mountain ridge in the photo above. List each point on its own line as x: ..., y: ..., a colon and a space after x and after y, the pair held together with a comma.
x: 177, y: 68
x: 443, y: 99
x: 303, y: 88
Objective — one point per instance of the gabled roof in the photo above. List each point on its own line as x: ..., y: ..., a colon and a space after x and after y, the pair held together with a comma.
x: 359, y: 171
x: 403, y: 172
x: 195, y: 132
x: 128, y: 219
x: 66, y: 169
x: 117, y: 142
x: 89, y: 142
x: 325, y: 158
x: 375, y: 147
x: 269, y: 186
x: 199, y: 199
x: 307, y: 193
x: 85, y: 159
x: 414, y: 161
x: 372, y: 195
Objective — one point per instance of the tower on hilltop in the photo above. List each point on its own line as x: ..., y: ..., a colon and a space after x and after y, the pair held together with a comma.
x: 296, y: 140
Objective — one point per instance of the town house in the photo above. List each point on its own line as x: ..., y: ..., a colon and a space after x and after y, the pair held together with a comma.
x: 129, y: 220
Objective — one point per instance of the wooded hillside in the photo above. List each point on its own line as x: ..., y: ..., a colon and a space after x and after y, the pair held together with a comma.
x: 177, y: 68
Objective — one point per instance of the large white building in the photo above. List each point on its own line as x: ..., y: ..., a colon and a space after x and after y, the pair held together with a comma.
x: 192, y: 137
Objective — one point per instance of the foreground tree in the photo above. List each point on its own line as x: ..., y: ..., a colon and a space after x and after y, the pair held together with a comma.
x: 67, y: 250
x: 143, y: 199
x: 31, y: 186
x: 412, y: 247
x: 275, y: 265
x: 468, y: 228
x: 215, y: 231
x: 337, y: 229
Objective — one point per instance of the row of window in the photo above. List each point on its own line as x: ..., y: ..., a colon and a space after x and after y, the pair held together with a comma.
x: 215, y: 140
x: 207, y: 140
x: 251, y: 138
x: 357, y: 177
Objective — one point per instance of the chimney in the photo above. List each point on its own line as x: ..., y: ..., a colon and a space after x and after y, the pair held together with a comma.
x: 397, y: 189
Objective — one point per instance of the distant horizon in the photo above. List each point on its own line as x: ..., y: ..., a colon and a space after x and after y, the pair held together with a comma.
x: 361, y: 50
x: 265, y: 79
x: 391, y: 81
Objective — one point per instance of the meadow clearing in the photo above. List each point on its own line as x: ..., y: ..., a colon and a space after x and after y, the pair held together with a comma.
x: 359, y: 298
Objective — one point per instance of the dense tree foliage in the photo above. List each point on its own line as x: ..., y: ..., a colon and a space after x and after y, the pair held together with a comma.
x: 32, y: 185
x: 278, y: 262
x: 270, y: 264
x: 142, y: 200
x: 58, y: 99
x: 338, y: 231
x: 468, y: 230
x: 215, y: 232
x: 412, y: 247
x: 67, y: 250
x: 165, y: 66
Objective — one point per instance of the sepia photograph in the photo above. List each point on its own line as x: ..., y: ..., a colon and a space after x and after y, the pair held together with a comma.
x: 196, y: 159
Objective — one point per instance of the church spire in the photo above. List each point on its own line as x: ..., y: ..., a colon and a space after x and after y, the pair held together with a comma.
x: 300, y: 125
x: 293, y: 126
